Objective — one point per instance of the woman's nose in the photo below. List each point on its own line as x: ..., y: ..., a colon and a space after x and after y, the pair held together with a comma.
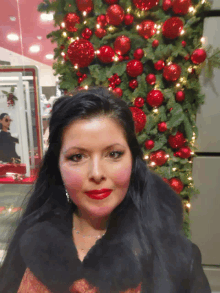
x: 96, y: 171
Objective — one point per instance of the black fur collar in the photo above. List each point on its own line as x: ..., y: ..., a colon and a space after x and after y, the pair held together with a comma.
x: 112, y: 265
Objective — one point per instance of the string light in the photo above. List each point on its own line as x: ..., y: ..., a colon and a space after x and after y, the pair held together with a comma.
x: 97, y: 52
x: 167, y: 156
x: 202, y: 40
x: 158, y: 26
x: 178, y: 85
x: 155, y: 111
x: 72, y: 40
x: 116, y: 58
x: 138, y: 27
x: 182, y: 32
x: 188, y: 205
x: 85, y: 22
x: 189, y: 178
x: 111, y: 28
x: 64, y: 34
x: 192, y: 9
x: 63, y: 54
x: 146, y: 157
x: 190, y: 69
x: 129, y: 9
x: 158, y: 32
x: 86, y: 87
x: 169, y: 63
x: 84, y: 13
x: 77, y: 38
x: 203, y: 1
x: 76, y: 66
x: 63, y: 24
x: 152, y: 164
x: 98, y: 26
x: 190, y: 162
x: 192, y: 153
x: 174, y: 169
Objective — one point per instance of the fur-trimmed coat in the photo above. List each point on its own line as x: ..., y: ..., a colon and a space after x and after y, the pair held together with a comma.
x: 111, y: 266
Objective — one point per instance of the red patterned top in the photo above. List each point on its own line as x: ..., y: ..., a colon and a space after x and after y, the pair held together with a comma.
x: 30, y: 284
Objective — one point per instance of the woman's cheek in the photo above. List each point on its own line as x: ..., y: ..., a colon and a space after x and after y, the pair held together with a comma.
x: 73, y: 178
x: 122, y: 176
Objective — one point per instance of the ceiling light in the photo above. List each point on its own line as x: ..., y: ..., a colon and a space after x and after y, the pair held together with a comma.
x: 39, y: 37
x: 12, y: 18
x: 46, y: 16
x: 34, y: 49
x: 13, y: 37
x: 49, y: 56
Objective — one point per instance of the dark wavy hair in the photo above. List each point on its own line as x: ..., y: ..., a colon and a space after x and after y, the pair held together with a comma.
x: 159, y: 207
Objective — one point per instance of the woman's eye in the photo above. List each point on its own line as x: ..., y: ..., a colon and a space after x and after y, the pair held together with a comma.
x: 75, y: 158
x: 116, y: 155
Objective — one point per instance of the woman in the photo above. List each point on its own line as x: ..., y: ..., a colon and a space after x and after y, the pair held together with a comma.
x: 76, y: 237
x: 7, y: 142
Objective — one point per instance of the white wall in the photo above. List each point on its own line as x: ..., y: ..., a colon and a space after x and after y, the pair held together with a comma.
x: 46, y: 77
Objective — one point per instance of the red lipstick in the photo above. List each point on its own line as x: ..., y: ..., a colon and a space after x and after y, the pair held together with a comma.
x: 98, y: 194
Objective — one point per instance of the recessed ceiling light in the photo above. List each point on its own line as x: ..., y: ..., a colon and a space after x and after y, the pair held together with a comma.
x: 49, y: 56
x: 39, y: 37
x: 13, y: 37
x: 34, y: 49
x: 46, y: 16
x: 12, y: 18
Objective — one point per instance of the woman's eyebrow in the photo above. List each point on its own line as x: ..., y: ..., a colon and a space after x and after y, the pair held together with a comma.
x: 83, y: 149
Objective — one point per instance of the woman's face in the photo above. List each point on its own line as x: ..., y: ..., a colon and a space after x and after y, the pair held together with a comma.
x: 5, y: 121
x: 95, y: 155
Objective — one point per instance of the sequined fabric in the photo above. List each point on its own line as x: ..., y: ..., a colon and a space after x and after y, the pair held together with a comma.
x: 30, y: 284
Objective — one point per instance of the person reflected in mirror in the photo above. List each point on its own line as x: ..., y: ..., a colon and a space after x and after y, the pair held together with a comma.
x: 7, y: 142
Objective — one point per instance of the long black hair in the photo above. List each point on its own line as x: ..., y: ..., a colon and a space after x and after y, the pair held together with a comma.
x: 160, y: 210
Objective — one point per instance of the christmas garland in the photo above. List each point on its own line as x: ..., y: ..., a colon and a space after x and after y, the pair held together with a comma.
x: 150, y: 53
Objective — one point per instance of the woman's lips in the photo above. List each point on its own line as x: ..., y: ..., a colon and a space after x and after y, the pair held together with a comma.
x: 98, y: 196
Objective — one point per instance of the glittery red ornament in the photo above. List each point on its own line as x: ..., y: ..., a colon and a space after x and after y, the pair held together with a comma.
x: 181, y: 6
x: 145, y: 4
x: 183, y: 44
x: 126, y: 58
x: 172, y: 27
x: 167, y: 4
x: 176, y: 141
x: 159, y: 65
x: 165, y: 180
x: 133, y: 84
x: 118, y: 92
x: 172, y: 72
x: 149, y: 144
x: 139, y: 102
x: 176, y: 154
x: 80, y: 79
x: 162, y: 126
x: 158, y: 157
x: 180, y: 96
x: 120, y: 58
x: 198, y: 56
x: 134, y: 68
x: 176, y: 184
x: 122, y: 45
x: 138, y: 54
x: 151, y: 79
x: 155, y: 98
x: 62, y: 47
x: 187, y: 57
x: 84, y: 5
x: 184, y: 152
x: 139, y: 118
x: 115, y: 14
x: 106, y: 54
x: 100, y: 32
x: 147, y: 29
x: 81, y: 53
x: 155, y: 43
x: 70, y: 20
x: 128, y: 19
x: 110, y: 2
x: 101, y: 20
x: 87, y: 33
x: 79, y: 74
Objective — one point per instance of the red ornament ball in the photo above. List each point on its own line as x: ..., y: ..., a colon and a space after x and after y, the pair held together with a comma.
x: 165, y: 180
x: 185, y: 152
x: 167, y: 4
x: 155, y: 43
x: 84, y: 5
x: 155, y: 98
x: 81, y: 53
x: 139, y: 118
x: 162, y: 126
x: 187, y: 57
x: 122, y: 45
x: 62, y: 47
x: 134, y: 68
x: 115, y: 15
x: 158, y: 157
x: 172, y: 72
x: 79, y: 74
x: 151, y: 79
x: 118, y: 92
x: 149, y: 144
x: 138, y: 54
x: 147, y: 29
x: 159, y: 65
x: 176, y: 184
x: 100, y: 32
x: 176, y: 141
x: 139, y: 102
x: 180, y: 96
x: 172, y: 27
x: 128, y: 19
x: 198, y: 56
x: 101, y: 20
x: 181, y: 6
x: 133, y: 84
x: 106, y: 54
x: 70, y: 20
x: 80, y: 79
x: 183, y: 44
x: 176, y: 154
x: 87, y: 33
x: 145, y: 4
x: 110, y: 2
